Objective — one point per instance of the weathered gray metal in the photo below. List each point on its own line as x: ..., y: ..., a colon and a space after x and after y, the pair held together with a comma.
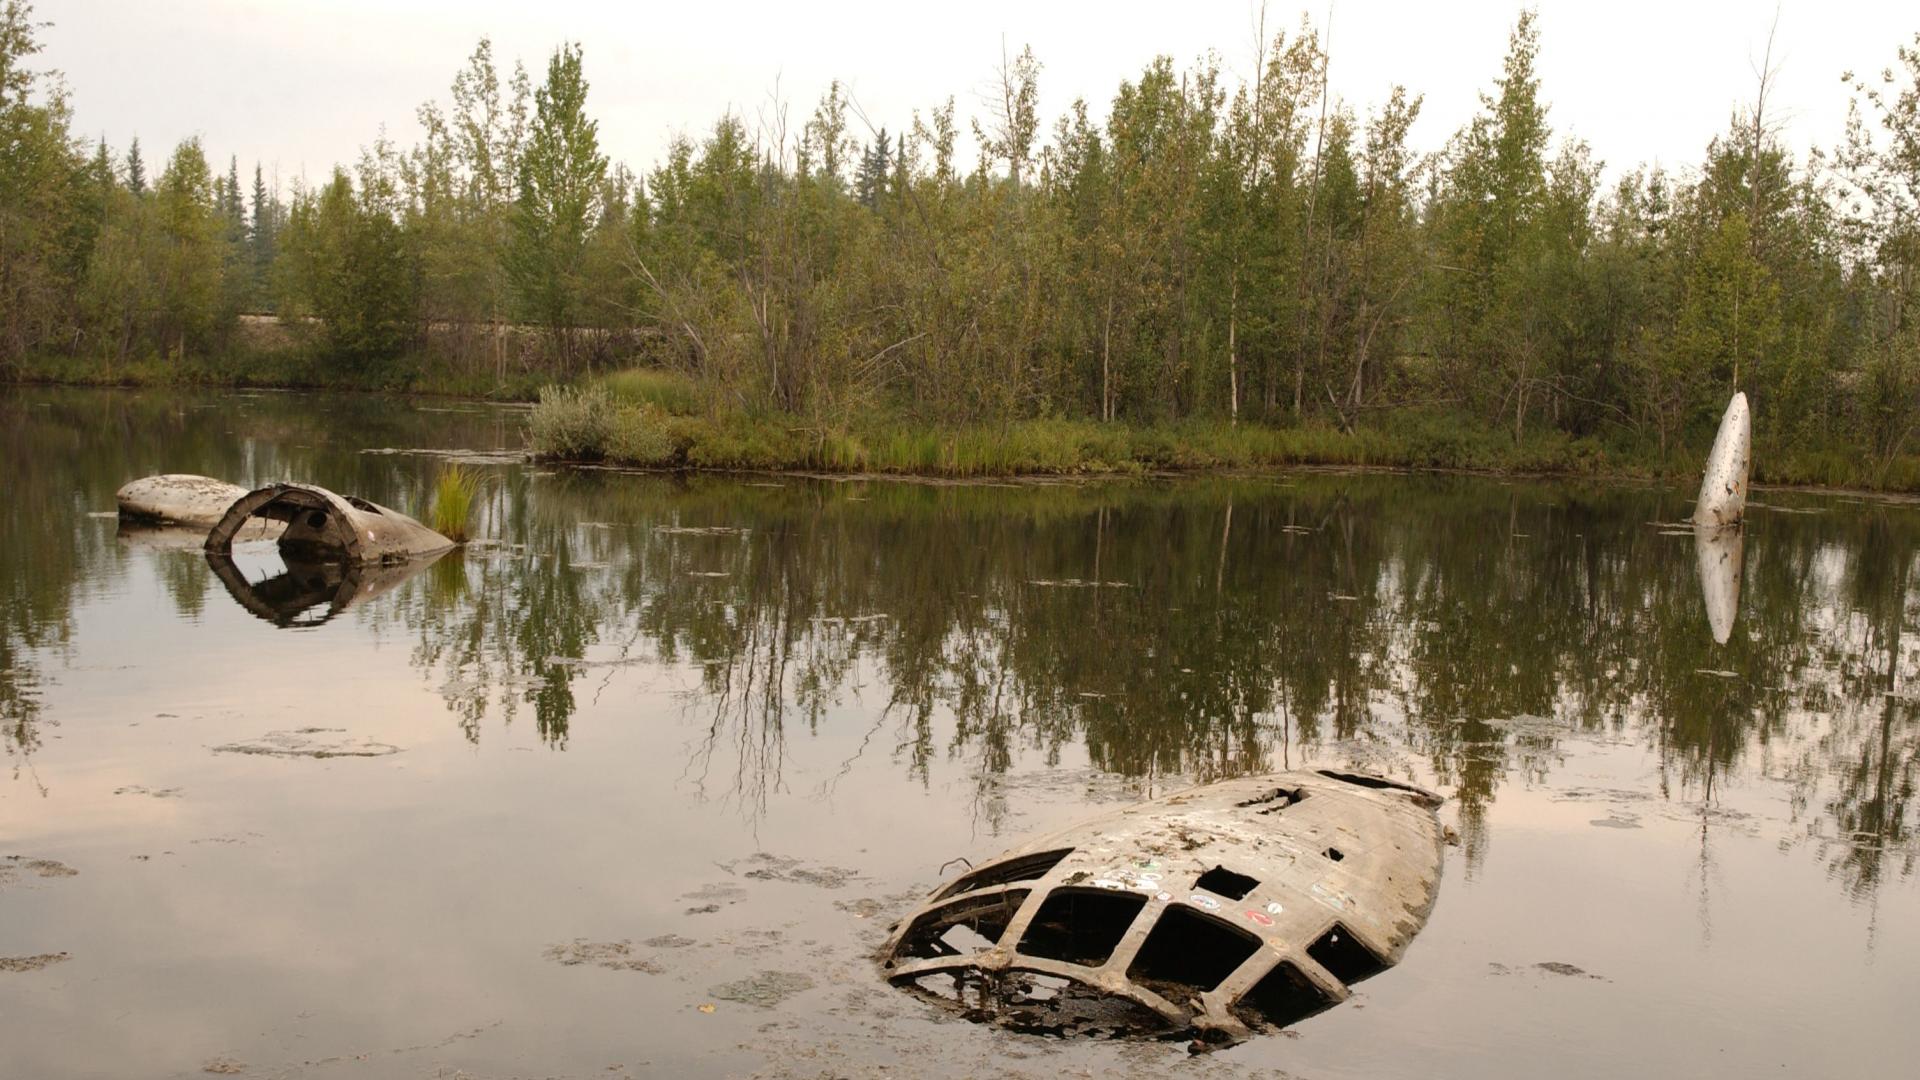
x: 1723, y: 488
x: 176, y: 499
x: 290, y: 598
x: 323, y: 524
x: 1221, y: 910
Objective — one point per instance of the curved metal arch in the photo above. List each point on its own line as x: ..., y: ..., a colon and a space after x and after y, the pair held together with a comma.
x: 291, y: 503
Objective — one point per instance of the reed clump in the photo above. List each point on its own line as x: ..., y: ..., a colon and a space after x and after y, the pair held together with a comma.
x: 455, y: 493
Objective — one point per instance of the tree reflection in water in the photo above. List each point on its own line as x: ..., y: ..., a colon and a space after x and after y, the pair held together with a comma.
x: 1209, y: 629
x: 1459, y: 628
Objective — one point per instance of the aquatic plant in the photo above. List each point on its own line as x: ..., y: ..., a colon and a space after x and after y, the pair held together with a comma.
x: 454, y: 494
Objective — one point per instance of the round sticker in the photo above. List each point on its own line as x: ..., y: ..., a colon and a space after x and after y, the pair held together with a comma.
x: 1207, y: 902
x: 1148, y: 879
x: 1273, y: 909
x: 1108, y: 883
x: 1259, y: 918
x: 1163, y: 897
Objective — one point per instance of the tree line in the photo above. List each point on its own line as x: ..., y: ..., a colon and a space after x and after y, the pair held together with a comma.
x: 1257, y: 252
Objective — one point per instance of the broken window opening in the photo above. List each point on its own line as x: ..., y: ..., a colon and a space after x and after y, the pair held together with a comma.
x: 1188, y: 952
x: 1276, y: 800
x: 1344, y: 957
x: 359, y: 503
x: 960, y: 927
x: 1223, y: 882
x: 1081, y: 926
x: 1283, y: 997
x: 1022, y: 868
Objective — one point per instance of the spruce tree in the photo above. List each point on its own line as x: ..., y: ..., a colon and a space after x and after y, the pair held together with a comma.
x: 136, y: 168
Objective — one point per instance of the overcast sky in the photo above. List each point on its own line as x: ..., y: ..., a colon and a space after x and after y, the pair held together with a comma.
x: 300, y: 86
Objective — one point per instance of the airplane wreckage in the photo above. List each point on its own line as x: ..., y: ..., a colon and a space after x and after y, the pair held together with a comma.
x: 338, y: 550
x: 1719, y: 539
x: 310, y: 521
x: 1216, y: 912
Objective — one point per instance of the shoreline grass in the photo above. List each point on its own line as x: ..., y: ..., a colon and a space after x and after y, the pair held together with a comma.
x: 596, y: 423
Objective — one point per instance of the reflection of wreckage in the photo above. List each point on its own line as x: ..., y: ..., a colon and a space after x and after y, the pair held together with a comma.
x: 338, y: 549
x: 1242, y: 906
x: 286, y: 598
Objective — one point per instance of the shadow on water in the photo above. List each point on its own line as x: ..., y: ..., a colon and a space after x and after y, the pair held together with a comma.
x: 1197, y: 629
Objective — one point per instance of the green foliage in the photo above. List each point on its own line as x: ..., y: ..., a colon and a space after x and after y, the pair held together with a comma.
x: 1194, y: 257
x: 668, y: 392
x: 574, y: 423
x: 347, y: 264
x: 561, y: 180
x: 455, y: 491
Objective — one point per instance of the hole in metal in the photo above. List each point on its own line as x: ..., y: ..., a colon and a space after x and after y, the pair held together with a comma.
x: 1344, y: 957
x: 960, y: 927
x: 1224, y: 882
x: 1081, y: 926
x: 1187, y: 952
x: 1282, y: 997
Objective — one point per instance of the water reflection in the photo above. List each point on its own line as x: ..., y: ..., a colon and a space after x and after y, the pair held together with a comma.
x: 1468, y: 629
x: 287, y: 597
x: 1720, y: 552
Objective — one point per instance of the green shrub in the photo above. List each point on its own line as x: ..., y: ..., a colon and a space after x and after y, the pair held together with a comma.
x: 641, y: 435
x: 572, y: 423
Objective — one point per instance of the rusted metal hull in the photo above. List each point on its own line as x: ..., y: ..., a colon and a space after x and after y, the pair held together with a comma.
x: 1222, y: 910
x: 321, y: 524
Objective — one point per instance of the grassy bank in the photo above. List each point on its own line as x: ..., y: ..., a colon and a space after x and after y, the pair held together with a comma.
x: 651, y: 420
x: 644, y: 420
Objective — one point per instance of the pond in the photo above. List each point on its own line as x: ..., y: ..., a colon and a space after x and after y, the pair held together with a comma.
x: 636, y: 783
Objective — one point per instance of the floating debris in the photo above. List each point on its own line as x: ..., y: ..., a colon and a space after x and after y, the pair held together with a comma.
x: 765, y: 867
x: 14, y: 867
x: 308, y: 742
x: 18, y: 964
x: 613, y: 955
x: 1242, y: 906
x: 142, y: 789
x: 765, y: 990
x: 701, y: 530
x: 1077, y: 583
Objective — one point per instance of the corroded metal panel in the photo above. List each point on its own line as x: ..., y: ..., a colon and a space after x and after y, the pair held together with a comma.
x: 1221, y: 910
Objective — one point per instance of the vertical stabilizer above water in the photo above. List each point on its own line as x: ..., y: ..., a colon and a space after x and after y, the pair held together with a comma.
x: 1723, y: 490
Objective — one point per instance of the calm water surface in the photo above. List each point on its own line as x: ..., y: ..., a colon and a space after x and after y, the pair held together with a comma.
x: 528, y: 811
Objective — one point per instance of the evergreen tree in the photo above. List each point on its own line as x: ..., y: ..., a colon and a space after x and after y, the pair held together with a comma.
x: 870, y: 182
x: 136, y: 168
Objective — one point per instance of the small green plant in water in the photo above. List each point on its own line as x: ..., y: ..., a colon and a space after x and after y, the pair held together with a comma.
x: 453, y: 497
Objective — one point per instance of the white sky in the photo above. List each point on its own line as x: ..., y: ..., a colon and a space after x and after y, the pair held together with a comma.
x: 300, y: 86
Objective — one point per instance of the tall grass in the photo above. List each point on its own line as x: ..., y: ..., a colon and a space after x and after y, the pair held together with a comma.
x: 668, y: 392
x: 454, y: 495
